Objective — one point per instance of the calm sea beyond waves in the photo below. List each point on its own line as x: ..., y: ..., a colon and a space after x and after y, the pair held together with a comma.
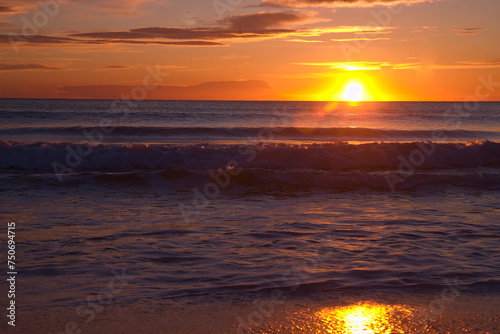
x: 251, y: 217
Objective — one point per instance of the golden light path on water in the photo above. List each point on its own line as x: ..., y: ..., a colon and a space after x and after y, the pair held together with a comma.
x: 364, y: 318
x: 410, y: 315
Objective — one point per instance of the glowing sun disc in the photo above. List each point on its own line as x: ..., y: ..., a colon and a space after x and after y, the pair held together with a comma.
x: 353, y: 92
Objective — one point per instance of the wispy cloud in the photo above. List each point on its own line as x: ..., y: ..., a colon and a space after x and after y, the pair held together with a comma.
x: 369, y: 66
x: 110, y: 7
x: 359, y: 39
x: 7, y: 9
x: 264, y: 25
x: 468, y: 31
x: 426, y: 29
x: 303, y: 41
x: 117, y: 67
x: 361, y: 29
x: 472, y: 64
x: 240, y: 27
x: 28, y: 67
x: 53, y: 40
x: 337, y: 3
x: 348, y: 66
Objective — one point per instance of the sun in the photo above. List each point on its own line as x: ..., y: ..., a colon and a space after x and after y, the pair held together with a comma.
x: 353, y: 92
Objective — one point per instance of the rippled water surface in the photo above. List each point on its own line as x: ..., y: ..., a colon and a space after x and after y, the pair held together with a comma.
x: 189, y: 202
x: 239, y: 244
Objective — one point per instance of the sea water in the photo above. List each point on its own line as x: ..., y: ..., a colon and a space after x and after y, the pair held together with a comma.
x: 235, y: 200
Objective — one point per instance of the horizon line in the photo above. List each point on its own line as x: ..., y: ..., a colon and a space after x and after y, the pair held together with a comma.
x: 194, y: 100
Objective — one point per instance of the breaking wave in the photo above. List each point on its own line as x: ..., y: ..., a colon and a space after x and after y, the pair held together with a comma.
x: 337, y: 165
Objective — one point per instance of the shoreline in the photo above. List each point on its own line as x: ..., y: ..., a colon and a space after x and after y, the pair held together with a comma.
x: 412, y: 314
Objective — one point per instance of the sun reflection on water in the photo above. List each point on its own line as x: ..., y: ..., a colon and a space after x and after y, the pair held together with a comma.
x: 363, y: 318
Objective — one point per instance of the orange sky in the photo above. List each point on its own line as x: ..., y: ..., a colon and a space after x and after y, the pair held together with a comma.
x: 250, y: 49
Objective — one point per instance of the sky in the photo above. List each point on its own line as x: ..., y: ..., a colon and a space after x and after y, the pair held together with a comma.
x: 319, y: 50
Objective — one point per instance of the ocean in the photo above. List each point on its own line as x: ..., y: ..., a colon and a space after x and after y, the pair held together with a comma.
x: 206, y: 202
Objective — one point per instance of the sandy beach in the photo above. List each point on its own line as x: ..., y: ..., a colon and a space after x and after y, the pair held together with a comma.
x: 381, y: 315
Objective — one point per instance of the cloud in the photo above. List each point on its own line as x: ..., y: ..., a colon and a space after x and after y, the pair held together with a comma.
x: 337, y: 3
x: 264, y: 20
x: 361, y: 29
x: 259, y: 25
x: 7, y: 9
x: 240, y: 26
x: 263, y: 25
x: 113, y: 7
x: 468, y: 31
x: 37, y: 39
x: 27, y: 67
x: 112, y: 67
x: 42, y: 39
x: 360, y: 33
x: 359, y: 39
x: 130, y: 41
x: 303, y: 41
x: 349, y: 66
x: 365, y: 66
x: 426, y: 29
x: 472, y: 64
x: 218, y: 90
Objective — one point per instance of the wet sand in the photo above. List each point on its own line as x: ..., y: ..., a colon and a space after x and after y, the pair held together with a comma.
x: 434, y: 314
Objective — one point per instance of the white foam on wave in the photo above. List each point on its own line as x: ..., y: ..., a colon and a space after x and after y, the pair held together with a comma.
x: 329, y: 156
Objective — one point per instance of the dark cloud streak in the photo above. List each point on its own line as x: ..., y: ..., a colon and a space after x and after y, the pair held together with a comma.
x: 240, y: 26
x: 7, y: 9
x: 42, y: 39
x: 259, y: 25
x: 260, y: 21
x: 117, y: 67
x: 468, y: 31
x: 27, y: 67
